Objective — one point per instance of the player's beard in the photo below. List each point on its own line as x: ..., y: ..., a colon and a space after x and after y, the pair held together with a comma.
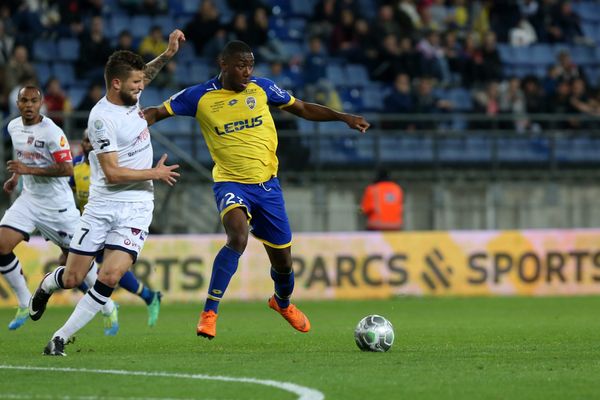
x: 127, y: 98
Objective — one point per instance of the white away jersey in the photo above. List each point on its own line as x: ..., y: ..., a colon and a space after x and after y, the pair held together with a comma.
x: 40, y: 146
x: 121, y: 129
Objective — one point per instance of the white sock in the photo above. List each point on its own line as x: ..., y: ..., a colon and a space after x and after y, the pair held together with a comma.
x: 16, y: 280
x: 84, y: 312
x: 50, y: 282
x: 108, y: 308
x: 92, y: 275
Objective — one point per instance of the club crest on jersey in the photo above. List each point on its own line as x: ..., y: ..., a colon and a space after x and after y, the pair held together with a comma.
x: 63, y: 141
x: 232, y: 102
x: 40, y: 144
x: 135, y: 231
x: 98, y: 124
x: 251, y: 102
x: 30, y: 139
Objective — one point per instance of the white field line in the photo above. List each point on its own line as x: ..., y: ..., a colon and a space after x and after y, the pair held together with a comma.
x: 303, y: 393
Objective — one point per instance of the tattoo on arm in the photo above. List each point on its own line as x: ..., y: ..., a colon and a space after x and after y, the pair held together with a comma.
x: 153, y: 67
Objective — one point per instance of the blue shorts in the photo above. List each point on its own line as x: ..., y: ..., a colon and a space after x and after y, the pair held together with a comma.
x: 264, y: 206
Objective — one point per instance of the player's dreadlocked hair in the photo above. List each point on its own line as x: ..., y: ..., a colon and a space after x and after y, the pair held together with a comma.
x: 121, y: 63
x: 234, y: 47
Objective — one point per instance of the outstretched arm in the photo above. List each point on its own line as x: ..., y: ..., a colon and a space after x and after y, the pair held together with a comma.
x: 159, y: 62
x: 155, y: 114
x: 317, y: 112
x: 109, y: 162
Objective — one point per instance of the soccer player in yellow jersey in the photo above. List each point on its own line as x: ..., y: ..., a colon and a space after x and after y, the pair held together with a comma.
x: 80, y: 183
x: 233, y: 112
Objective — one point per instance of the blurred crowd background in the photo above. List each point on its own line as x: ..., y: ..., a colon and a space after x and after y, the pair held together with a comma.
x: 486, y: 112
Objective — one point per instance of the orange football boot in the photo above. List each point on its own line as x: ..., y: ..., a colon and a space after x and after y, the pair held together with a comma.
x: 207, y: 326
x: 295, y: 317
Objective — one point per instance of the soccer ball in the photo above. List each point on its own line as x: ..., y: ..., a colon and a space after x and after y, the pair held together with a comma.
x: 374, y: 333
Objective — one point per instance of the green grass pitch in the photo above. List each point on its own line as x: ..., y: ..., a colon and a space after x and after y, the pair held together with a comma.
x: 457, y: 348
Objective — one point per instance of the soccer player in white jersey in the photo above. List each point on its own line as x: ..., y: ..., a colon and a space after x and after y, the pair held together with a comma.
x: 119, y: 210
x: 43, y: 159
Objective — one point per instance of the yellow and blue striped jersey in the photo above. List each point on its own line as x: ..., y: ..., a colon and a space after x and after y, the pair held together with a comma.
x: 238, y: 127
x: 80, y: 181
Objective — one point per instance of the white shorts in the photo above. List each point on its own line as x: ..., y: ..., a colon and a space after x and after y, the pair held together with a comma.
x: 116, y: 225
x: 55, y: 224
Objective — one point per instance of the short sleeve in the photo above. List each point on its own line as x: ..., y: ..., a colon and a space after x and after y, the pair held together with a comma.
x: 103, y: 134
x: 58, y: 146
x: 275, y: 95
x: 184, y: 102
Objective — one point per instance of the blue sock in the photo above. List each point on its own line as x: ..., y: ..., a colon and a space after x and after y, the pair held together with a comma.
x: 284, y: 286
x: 147, y: 295
x: 83, y: 287
x: 224, y: 266
x: 130, y: 283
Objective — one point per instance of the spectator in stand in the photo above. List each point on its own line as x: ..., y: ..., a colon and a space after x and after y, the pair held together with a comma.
x: 550, y: 81
x: 433, y: 59
x: 487, y: 102
x: 565, y: 26
x: 343, y: 38
x: 561, y: 104
x: 315, y: 61
x: 535, y: 102
x: 491, y: 66
x: 268, y: 48
x: 386, y: 24
x: 203, y: 26
x: 580, y: 103
x: 441, y: 16
x: 426, y: 102
x: 125, y: 41
x: 56, y: 101
x: 400, y: 101
x: 7, y: 44
x: 452, y: 52
x: 512, y: 101
x: 94, y: 94
x: 460, y: 14
x: 26, y: 21
x: 93, y: 51
x: 324, y: 18
x: 408, y: 17
x: 364, y: 52
x: 470, y: 60
x: 18, y: 68
x: 567, y: 69
x: 153, y: 45
x: 523, y: 34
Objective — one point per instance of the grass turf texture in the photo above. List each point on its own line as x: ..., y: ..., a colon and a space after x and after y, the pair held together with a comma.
x: 493, y: 348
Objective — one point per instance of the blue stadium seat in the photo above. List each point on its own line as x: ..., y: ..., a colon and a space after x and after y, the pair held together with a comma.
x: 43, y: 71
x: 404, y: 149
x: 372, y: 98
x: 140, y: 26
x: 278, y: 29
x: 64, y: 72
x: 117, y: 24
x: 357, y: 75
x: 542, y: 54
x: 190, y: 6
x: 76, y: 95
x: 175, y: 126
x: 461, y: 99
x: 151, y: 96
x: 199, y: 72
x: 506, y: 52
x: 44, y: 50
x: 333, y: 127
x: 302, y: 8
x: 465, y: 150
x: 583, y: 55
x: 581, y: 150
x: 523, y: 150
x: 292, y: 48
x: 166, y: 22
x: 296, y: 28
x: 336, y: 75
x: 351, y: 100
x: 186, y: 53
x: 68, y: 49
x: 344, y: 150
x: 280, y: 8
